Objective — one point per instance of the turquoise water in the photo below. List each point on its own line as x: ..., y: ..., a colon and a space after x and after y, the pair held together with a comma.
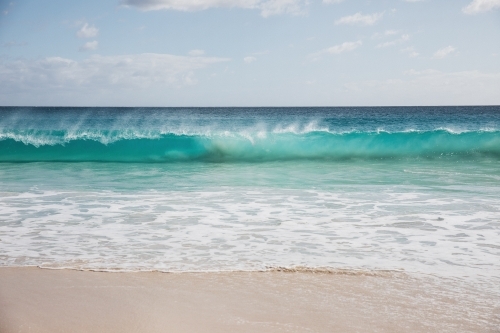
x: 104, y: 146
x: 239, y: 188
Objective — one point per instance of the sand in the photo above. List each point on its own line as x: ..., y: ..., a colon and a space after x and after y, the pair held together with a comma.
x: 43, y: 300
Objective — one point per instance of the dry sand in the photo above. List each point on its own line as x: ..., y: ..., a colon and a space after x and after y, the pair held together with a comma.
x: 42, y: 300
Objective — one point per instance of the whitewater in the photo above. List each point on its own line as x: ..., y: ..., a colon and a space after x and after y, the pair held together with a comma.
x: 208, y: 189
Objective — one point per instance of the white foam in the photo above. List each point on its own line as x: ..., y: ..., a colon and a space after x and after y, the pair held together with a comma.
x: 241, y: 229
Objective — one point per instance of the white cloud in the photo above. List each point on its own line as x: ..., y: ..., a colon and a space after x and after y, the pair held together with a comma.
x: 347, y: 46
x: 410, y: 51
x: 189, y: 5
x: 332, y: 1
x: 275, y: 7
x: 444, y: 52
x: 57, y: 75
x: 400, y: 40
x: 360, y: 19
x: 266, y: 7
x: 429, y: 87
x: 477, y: 6
x: 87, y: 31
x: 386, y: 33
x: 196, y: 53
x: 89, y: 46
x: 249, y: 60
x: 336, y: 49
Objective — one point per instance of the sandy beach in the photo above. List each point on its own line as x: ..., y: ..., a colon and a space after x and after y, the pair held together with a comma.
x: 43, y: 300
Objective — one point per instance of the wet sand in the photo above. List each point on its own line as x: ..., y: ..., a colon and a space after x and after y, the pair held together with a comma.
x: 42, y: 300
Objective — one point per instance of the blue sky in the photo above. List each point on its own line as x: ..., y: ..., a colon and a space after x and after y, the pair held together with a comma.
x: 249, y: 52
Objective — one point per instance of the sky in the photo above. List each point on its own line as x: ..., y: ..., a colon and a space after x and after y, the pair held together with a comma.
x: 249, y: 52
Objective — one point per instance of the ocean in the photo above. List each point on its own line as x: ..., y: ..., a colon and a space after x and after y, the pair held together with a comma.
x: 413, y: 189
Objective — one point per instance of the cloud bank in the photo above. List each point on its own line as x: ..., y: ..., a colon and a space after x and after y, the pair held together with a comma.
x: 266, y: 7
x: 116, y: 74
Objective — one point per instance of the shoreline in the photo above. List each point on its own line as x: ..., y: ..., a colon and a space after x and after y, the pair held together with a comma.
x: 62, y: 300
x: 270, y: 269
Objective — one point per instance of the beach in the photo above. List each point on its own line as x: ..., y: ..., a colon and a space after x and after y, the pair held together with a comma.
x: 45, y: 300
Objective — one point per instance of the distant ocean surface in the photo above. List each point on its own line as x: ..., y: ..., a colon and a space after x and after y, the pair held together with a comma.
x: 204, y: 189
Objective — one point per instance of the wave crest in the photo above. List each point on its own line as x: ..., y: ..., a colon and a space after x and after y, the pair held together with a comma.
x: 251, y: 146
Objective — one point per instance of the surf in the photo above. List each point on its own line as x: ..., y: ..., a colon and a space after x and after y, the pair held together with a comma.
x: 153, y: 146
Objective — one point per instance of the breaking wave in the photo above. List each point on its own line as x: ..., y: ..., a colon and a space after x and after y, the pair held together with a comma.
x: 155, y: 146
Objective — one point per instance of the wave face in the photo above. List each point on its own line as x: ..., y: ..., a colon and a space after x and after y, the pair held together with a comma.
x: 234, y: 147
x: 249, y: 135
